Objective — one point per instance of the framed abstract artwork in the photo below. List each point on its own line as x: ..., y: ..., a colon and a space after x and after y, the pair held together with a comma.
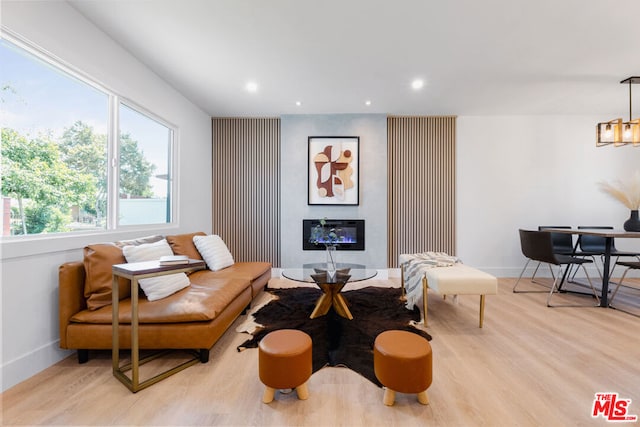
x: 334, y: 170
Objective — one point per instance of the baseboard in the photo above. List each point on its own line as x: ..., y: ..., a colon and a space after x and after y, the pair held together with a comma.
x: 17, y: 370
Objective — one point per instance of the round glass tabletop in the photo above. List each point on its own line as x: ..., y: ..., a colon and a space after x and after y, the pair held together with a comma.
x: 356, y: 272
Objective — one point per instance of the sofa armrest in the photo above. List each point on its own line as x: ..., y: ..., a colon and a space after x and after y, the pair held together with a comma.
x: 70, y: 295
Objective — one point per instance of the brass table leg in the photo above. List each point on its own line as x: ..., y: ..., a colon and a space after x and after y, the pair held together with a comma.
x: 135, y: 350
x: 115, y: 339
x: 119, y: 372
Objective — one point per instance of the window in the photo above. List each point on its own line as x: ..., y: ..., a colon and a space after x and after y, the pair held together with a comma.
x: 57, y: 146
x: 144, y: 152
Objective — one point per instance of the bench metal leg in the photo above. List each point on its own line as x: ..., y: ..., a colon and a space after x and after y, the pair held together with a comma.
x: 403, y: 297
x: 425, y: 287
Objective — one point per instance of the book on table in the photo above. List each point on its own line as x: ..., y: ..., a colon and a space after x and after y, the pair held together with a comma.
x: 174, y: 259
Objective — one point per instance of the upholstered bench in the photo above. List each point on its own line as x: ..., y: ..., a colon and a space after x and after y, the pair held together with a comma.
x: 458, y: 279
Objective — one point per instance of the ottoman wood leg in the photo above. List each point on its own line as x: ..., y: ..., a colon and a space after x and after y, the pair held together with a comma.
x: 302, y: 391
x: 481, y: 310
x: 268, y: 395
x: 389, y: 397
x: 423, y: 398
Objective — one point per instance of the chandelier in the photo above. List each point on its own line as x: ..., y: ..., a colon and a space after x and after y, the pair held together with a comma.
x: 616, y: 131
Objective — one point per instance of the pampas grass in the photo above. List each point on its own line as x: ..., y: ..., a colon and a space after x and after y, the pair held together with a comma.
x: 626, y: 192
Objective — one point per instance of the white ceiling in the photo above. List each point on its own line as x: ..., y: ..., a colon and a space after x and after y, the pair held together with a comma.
x: 477, y: 57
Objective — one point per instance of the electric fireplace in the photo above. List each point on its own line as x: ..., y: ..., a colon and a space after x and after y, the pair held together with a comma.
x: 350, y: 232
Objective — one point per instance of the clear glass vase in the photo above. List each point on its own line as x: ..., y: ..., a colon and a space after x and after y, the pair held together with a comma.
x: 331, y: 261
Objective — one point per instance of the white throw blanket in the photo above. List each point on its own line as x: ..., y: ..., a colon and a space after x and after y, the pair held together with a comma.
x: 414, y: 270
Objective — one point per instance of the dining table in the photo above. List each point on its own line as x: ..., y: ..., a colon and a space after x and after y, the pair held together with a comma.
x: 609, y: 235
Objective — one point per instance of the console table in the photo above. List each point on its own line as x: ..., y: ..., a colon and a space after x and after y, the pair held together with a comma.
x: 135, y: 271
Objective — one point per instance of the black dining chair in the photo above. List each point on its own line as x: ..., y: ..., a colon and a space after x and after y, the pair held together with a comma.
x: 538, y: 246
x: 562, y: 244
x: 594, y: 246
x: 631, y: 265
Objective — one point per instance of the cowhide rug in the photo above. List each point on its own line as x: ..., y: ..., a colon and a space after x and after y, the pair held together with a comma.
x: 337, y: 341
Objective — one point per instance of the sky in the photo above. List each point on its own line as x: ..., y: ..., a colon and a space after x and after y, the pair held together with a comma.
x: 37, y: 98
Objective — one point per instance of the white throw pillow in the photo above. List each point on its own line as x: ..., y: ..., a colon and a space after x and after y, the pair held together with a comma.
x: 214, y: 252
x: 156, y: 288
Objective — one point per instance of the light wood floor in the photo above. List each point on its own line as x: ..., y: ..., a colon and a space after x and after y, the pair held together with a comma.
x: 529, y: 366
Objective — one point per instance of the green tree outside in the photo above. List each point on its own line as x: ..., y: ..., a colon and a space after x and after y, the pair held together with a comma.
x: 47, y: 177
x: 45, y: 187
x: 135, y: 170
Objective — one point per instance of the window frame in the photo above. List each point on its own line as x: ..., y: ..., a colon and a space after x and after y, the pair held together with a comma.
x: 171, y: 167
x: 113, y: 144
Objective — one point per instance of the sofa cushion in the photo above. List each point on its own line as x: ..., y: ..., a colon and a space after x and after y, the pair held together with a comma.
x: 182, y: 244
x: 204, y: 300
x: 156, y: 288
x: 245, y: 270
x: 214, y: 251
x: 98, y: 260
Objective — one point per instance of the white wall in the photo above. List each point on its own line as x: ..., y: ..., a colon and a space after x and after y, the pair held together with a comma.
x: 29, y: 268
x: 512, y: 172
x: 523, y: 171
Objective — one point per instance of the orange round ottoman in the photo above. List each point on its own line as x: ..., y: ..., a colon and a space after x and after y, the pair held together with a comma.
x: 285, y: 362
x: 402, y: 363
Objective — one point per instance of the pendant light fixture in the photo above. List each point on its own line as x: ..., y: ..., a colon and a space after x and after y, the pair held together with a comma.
x: 616, y: 131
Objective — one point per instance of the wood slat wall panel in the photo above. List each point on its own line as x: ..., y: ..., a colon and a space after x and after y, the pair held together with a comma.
x: 421, y: 185
x: 246, y: 184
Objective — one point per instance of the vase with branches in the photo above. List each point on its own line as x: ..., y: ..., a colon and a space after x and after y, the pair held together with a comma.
x: 626, y: 192
x: 330, y: 238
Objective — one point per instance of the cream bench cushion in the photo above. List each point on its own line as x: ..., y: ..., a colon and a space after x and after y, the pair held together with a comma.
x: 461, y: 279
x: 458, y: 279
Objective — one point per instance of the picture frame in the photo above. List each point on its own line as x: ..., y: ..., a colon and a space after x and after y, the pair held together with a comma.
x: 333, y: 170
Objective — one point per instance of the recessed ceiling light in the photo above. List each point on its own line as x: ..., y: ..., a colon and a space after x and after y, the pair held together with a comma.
x: 298, y: 103
x: 251, y: 87
x: 417, y: 84
x: 367, y: 103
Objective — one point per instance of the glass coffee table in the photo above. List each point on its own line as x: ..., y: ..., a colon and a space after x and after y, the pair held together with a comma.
x: 331, y: 286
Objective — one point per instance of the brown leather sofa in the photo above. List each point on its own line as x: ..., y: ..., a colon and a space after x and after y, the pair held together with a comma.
x: 193, y: 318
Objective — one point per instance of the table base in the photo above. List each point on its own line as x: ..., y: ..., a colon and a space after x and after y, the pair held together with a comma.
x: 134, y: 384
x: 331, y: 297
